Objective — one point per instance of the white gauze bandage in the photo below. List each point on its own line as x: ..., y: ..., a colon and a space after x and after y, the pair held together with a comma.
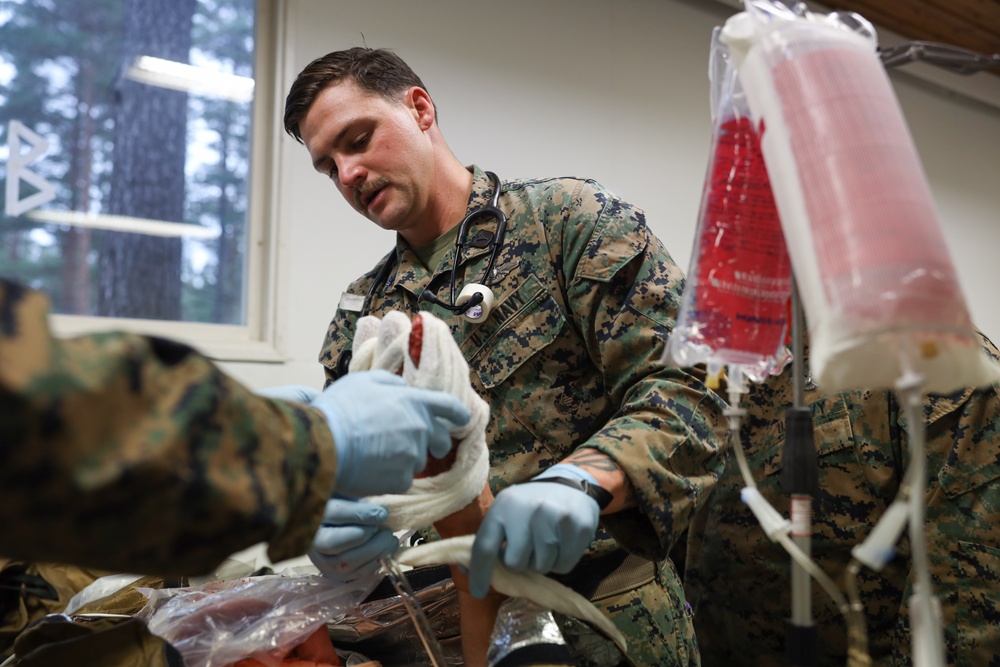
x: 538, y: 588
x: 384, y: 344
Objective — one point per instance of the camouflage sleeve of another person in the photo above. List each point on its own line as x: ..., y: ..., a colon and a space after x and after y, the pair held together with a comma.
x: 137, y: 454
x: 669, y: 432
x: 963, y: 518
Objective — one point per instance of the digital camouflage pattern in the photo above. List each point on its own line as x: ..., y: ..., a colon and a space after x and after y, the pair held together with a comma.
x: 738, y: 581
x: 137, y: 454
x: 569, y: 358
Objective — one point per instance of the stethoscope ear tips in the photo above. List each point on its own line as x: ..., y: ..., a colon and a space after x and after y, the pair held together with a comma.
x: 481, y: 310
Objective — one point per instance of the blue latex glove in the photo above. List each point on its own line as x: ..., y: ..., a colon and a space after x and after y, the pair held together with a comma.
x: 292, y: 392
x: 542, y: 527
x: 383, y: 429
x: 351, y: 539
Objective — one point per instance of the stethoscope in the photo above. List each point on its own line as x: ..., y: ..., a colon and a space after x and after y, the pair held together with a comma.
x: 476, y: 300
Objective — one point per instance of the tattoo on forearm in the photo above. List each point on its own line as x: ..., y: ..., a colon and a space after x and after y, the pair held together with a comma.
x: 614, y: 478
x: 592, y: 459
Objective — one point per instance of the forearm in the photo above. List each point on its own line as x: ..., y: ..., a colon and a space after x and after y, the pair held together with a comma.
x: 129, y: 453
x: 608, y: 475
x: 671, y: 459
x: 180, y: 505
x: 667, y: 436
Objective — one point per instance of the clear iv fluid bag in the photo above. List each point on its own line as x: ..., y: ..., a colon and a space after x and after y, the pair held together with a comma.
x: 879, y: 289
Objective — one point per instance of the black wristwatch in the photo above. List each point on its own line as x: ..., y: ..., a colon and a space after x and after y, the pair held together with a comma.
x: 598, y: 493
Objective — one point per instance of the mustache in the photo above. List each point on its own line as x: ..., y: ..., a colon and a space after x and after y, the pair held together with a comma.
x: 369, y: 187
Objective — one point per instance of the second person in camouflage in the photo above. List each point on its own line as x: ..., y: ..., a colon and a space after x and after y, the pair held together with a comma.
x: 739, y: 583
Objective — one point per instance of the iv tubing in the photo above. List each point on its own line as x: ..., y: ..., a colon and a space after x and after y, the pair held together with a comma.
x: 875, y: 552
x: 857, y: 655
x: 918, y: 545
x: 781, y: 537
x: 857, y: 642
x: 927, y: 647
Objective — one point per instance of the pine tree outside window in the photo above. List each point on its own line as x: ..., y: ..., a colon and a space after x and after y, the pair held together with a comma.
x: 127, y: 147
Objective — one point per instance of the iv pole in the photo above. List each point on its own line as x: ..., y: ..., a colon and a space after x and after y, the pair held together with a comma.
x: 799, y: 477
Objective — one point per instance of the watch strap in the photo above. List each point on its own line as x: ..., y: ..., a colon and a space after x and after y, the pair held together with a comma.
x: 600, y: 495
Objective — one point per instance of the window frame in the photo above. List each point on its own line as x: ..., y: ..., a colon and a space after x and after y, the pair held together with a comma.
x: 258, y: 340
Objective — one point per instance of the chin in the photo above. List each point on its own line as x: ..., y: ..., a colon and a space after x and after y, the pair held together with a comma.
x: 387, y: 225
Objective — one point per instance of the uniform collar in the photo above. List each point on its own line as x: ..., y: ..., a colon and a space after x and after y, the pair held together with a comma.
x: 411, y: 274
x: 482, y: 189
x: 481, y: 230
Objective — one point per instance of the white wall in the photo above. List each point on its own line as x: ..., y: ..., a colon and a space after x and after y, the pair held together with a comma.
x: 615, y: 90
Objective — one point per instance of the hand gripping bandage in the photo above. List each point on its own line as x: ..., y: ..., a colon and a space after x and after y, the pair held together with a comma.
x: 385, y: 344
x: 436, y: 362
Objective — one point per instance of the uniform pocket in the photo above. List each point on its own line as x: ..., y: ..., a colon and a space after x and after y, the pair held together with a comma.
x: 520, y: 326
x: 543, y: 386
x: 845, y: 497
x: 975, y: 458
x: 832, y: 434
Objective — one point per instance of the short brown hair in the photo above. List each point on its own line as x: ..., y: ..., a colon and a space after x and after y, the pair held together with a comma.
x: 379, y: 71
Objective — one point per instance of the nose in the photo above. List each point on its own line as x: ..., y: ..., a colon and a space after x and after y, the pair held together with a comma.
x: 350, y: 172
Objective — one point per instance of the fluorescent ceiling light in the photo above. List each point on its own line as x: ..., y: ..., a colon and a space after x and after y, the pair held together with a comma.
x: 123, y: 223
x: 191, y: 79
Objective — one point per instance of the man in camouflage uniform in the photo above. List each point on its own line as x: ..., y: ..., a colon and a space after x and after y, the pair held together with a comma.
x: 568, y: 357
x: 136, y: 454
x: 738, y: 582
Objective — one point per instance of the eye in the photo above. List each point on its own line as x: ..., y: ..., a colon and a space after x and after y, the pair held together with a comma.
x: 361, y: 141
x: 332, y: 171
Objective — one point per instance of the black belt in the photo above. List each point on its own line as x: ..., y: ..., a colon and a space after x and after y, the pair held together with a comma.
x: 608, y: 574
x: 589, y: 573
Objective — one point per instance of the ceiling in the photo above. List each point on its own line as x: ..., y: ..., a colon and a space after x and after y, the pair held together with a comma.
x: 970, y: 24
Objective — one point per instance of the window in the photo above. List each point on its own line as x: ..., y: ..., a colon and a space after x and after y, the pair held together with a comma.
x: 127, y: 158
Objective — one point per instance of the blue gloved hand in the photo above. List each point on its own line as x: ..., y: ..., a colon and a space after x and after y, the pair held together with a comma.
x: 351, y: 539
x: 383, y: 430
x: 291, y: 392
x: 544, y: 527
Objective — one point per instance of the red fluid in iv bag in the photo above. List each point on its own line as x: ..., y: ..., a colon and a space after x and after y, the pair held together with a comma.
x: 743, y: 276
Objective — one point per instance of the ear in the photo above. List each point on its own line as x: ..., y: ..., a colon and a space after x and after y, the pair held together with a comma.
x: 422, y: 105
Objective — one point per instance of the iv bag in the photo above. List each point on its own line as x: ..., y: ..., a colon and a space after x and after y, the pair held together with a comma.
x: 735, y: 306
x: 880, y: 293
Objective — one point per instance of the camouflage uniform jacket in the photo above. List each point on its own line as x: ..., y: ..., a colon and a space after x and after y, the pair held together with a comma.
x: 585, y: 298
x: 738, y: 581
x: 137, y: 454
